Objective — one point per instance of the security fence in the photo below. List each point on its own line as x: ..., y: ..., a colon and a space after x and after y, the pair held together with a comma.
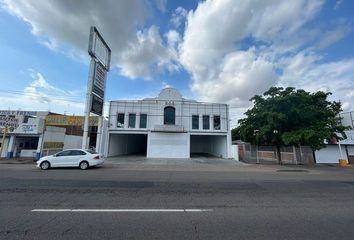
x: 268, y: 154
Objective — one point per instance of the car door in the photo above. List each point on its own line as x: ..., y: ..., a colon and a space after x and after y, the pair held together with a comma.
x: 77, y: 157
x: 61, y: 159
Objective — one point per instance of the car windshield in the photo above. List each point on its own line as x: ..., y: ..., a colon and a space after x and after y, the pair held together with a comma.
x: 91, y: 151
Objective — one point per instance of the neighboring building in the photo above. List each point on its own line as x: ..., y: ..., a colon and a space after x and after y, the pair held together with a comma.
x: 339, y: 150
x: 40, y: 133
x: 22, y: 139
x: 168, y: 126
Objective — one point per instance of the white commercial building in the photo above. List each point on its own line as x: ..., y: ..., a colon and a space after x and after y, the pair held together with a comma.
x: 342, y: 149
x: 168, y: 126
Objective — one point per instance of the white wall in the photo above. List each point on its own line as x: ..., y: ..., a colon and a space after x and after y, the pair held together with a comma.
x: 54, y: 134
x: 168, y: 145
x: 234, y: 152
x: 350, y: 150
x: 28, y: 153
x: 71, y: 141
x: 330, y: 154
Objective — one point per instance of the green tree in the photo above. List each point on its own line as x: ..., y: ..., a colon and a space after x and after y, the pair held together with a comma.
x: 235, y: 134
x: 291, y: 117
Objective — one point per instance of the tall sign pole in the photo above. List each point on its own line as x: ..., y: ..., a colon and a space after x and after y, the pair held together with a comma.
x: 100, y: 63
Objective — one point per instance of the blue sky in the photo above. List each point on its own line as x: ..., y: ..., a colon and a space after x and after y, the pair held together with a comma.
x: 215, y: 51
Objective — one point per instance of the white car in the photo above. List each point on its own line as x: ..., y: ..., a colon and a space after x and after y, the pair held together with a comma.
x: 71, y: 158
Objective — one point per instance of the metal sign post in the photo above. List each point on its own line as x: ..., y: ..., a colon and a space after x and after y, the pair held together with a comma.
x: 100, y: 63
x: 87, y: 105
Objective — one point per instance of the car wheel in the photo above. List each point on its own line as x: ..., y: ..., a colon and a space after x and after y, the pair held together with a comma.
x: 45, y: 165
x: 84, y: 165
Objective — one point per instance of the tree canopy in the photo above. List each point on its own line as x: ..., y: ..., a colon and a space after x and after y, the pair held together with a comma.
x: 291, y: 117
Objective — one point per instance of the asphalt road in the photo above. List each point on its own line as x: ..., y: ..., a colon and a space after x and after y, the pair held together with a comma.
x: 177, y: 202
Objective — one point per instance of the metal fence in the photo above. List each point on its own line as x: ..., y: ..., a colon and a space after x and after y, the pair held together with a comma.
x: 268, y: 154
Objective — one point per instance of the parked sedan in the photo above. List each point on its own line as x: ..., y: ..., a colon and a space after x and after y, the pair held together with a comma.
x: 71, y: 158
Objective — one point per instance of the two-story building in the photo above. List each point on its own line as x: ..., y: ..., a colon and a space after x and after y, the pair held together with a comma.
x: 168, y: 126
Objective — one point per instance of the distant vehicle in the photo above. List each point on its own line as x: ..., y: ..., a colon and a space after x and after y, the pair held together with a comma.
x: 71, y: 158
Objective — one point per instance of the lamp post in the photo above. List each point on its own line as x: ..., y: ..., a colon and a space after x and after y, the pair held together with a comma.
x: 255, y: 134
x: 275, y: 132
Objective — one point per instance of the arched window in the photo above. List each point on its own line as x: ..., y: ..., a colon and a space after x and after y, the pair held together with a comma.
x: 169, y: 115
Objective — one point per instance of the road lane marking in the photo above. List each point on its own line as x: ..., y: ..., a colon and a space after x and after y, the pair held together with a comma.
x: 122, y: 210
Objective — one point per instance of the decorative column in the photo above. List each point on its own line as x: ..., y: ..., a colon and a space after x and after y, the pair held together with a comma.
x: 10, y: 147
x: 39, y: 147
x: 211, y: 122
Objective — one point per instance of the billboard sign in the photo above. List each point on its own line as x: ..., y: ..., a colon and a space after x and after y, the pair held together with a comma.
x: 98, y: 48
x: 96, y: 105
x: 99, y: 80
x: 18, y: 113
x: 8, y: 122
x: 59, y: 120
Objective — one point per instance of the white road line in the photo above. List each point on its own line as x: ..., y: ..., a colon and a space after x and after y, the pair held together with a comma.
x: 122, y: 210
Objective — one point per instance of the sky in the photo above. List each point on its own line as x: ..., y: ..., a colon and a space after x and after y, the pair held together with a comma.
x: 223, y: 51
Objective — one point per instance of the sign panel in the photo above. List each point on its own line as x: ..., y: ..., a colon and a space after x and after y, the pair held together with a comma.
x: 27, y: 128
x: 57, y: 120
x: 99, y: 49
x: 8, y: 122
x: 99, y: 80
x: 53, y: 145
x: 96, y: 105
x: 18, y: 113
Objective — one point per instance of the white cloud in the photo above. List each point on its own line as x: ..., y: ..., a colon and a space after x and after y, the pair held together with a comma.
x: 232, y: 49
x: 336, y: 77
x: 64, y: 26
x: 173, y: 38
x: 148, y: 51
x: 220, y: 70
x: 178, y: 16
x: 334, y: 36
x: 40, y: 95
x: 236, y: 50
x: 161, y: 5
x: 338, y: 3
x: 241, y: 73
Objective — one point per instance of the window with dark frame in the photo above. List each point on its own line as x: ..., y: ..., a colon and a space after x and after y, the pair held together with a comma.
x: 206, y: 122
x: 169, y: 115
x: 195, y: 121
x: 131, y: 123
x: 64, y: 153
x: 120, y: 120
x: 77, y: 153
x: 143, y: 120
x: 216, y: 122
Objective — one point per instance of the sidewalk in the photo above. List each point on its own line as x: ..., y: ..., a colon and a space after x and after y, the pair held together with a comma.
x: 17, y: 161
